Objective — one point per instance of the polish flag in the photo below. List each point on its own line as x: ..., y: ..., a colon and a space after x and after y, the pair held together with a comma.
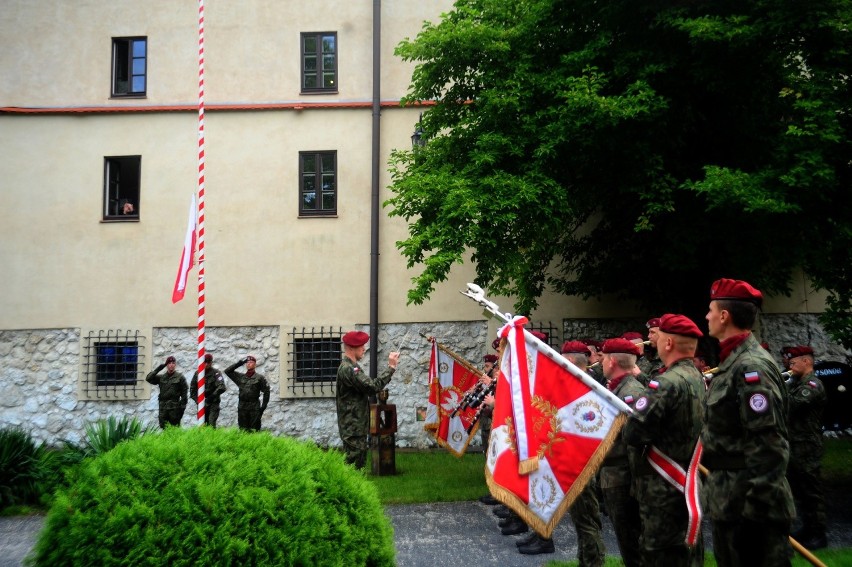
x: 552, y: 427
x: 450, y: 376
x: 187, y: 257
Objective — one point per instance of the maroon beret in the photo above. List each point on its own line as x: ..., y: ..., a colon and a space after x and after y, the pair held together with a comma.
x: 797, y: 351
x: 540, y: 336
x: 632, y: 336
x: 574, y: 347
x: 735, y: 289
x: 495, y: 344
x: 208, y: 358
x: 492, y: 358
x: 355, y: 338
x: 170, y: 359
x: 679, y: 325
x: 620, y: 345
x: 592, y: 343
x: 655, y: 322
x: 250, y: 357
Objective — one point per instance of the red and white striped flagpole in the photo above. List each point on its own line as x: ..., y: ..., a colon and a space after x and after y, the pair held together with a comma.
x: 201, y: 331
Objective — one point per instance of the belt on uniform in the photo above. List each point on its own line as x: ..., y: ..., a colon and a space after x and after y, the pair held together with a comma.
x: 723, y: 462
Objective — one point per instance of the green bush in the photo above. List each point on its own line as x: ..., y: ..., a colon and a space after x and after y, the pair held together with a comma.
x: 101, y: 436
x: 204, y: 496
x: 20, y: 472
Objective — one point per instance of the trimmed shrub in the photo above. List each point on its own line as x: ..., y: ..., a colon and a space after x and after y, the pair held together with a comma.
x: 204, y: 496
x: 20, y: 469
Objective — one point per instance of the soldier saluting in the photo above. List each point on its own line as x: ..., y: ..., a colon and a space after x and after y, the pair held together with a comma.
x: 251, y: 384
x: 354, y: 387
x: 172, y: 399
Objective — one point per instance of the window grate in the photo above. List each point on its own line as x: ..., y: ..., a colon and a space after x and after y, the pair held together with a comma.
x: 112, y: 364
x: 550, y: 330
x: 314, y: 356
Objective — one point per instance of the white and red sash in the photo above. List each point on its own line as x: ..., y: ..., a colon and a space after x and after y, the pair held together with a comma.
x: 685, y: 481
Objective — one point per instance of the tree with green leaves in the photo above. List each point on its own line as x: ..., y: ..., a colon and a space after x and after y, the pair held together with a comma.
x: 631, y: 148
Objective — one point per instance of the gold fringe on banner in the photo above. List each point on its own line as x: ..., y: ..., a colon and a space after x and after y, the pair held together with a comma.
x: 528, y: 466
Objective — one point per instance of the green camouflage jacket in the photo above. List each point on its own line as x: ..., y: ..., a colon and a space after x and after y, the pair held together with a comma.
x: 615, y: 470
x: 745, y: 439
x: 172, y: 388
x: 668, y: 414
x: 250, y: 388
x: 214, y: 386
x: 353, y: 404
x: 806, y: 397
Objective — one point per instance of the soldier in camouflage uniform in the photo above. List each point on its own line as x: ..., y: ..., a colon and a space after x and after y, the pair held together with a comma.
x: 251, y: 386
x: 172, y: 397
x: 745, y: 437
x: 486, y: 415
x: 214, y: 387
x: 619, y: 360
x: 354, y: 387
x: 668, y: 416
x: 806, y: 397
x: 651, y: 354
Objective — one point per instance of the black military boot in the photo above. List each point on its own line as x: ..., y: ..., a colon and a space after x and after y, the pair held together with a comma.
x: 538, y: 545
x: 501, y: 511
x: 514, y: 526
x: 527, y: 540
x: 489, y: 500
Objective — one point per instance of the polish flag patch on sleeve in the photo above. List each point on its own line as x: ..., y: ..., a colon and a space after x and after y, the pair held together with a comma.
x: 752, y: 377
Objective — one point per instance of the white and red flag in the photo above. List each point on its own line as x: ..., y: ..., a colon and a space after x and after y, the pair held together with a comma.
x: 450, y: 376
x: 187, y: 257
x: 553, y: 424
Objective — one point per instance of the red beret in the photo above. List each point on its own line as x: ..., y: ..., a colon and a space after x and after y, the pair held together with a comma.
x: 170, y: 359
x: 540, y: 336
x: 797, y: 351
x: 574, y: 347
x: 621, y: 345
x: 495, y: 344
x: 655, y: 322
x: 632, y: 336
x: 592, y: 343
x: 679, y: 325
x: 208, y: 358
x: 735, y: 289
x: 355, y: 338
x: 492, y: 358
x: 250, y: 357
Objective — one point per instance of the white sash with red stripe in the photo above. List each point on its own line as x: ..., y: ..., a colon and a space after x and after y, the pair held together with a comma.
x: 685, y: 481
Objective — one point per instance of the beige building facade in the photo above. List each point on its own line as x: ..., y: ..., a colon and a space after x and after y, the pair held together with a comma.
x: 99, y: 107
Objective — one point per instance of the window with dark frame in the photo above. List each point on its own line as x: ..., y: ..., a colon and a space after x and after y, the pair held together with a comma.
x: 318, y: 183
x: 121, y: 187
x: 315, y: 355
x: 319, y: 62
x: 113, y: 364
x: 129, y: 66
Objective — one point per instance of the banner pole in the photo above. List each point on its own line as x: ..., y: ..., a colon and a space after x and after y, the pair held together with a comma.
x: 201, y: 329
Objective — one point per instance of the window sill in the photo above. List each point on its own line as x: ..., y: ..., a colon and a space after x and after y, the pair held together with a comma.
x: 120, y: 219
x: 329, y: 216
x: 320, y: 92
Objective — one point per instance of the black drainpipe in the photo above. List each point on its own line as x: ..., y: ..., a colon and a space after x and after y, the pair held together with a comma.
x: 375, y: 208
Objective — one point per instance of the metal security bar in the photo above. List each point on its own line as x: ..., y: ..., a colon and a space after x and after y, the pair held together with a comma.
x: 113, y: 362
x: 314, y: 356
x: 552, y: 332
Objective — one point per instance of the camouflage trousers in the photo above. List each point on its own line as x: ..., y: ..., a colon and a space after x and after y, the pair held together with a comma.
x: 664, y: 520
x: 211, y: 415
x: 805, y: 481
x: 756, y: 544
x: 170, y: 416
x: 249, y: 419
x: 355, y: 448
x: 586, y: 515
x: 623, y: 511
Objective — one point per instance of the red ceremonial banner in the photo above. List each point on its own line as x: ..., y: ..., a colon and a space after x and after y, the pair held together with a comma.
x: 552, y: 427
x: 450, y: 376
